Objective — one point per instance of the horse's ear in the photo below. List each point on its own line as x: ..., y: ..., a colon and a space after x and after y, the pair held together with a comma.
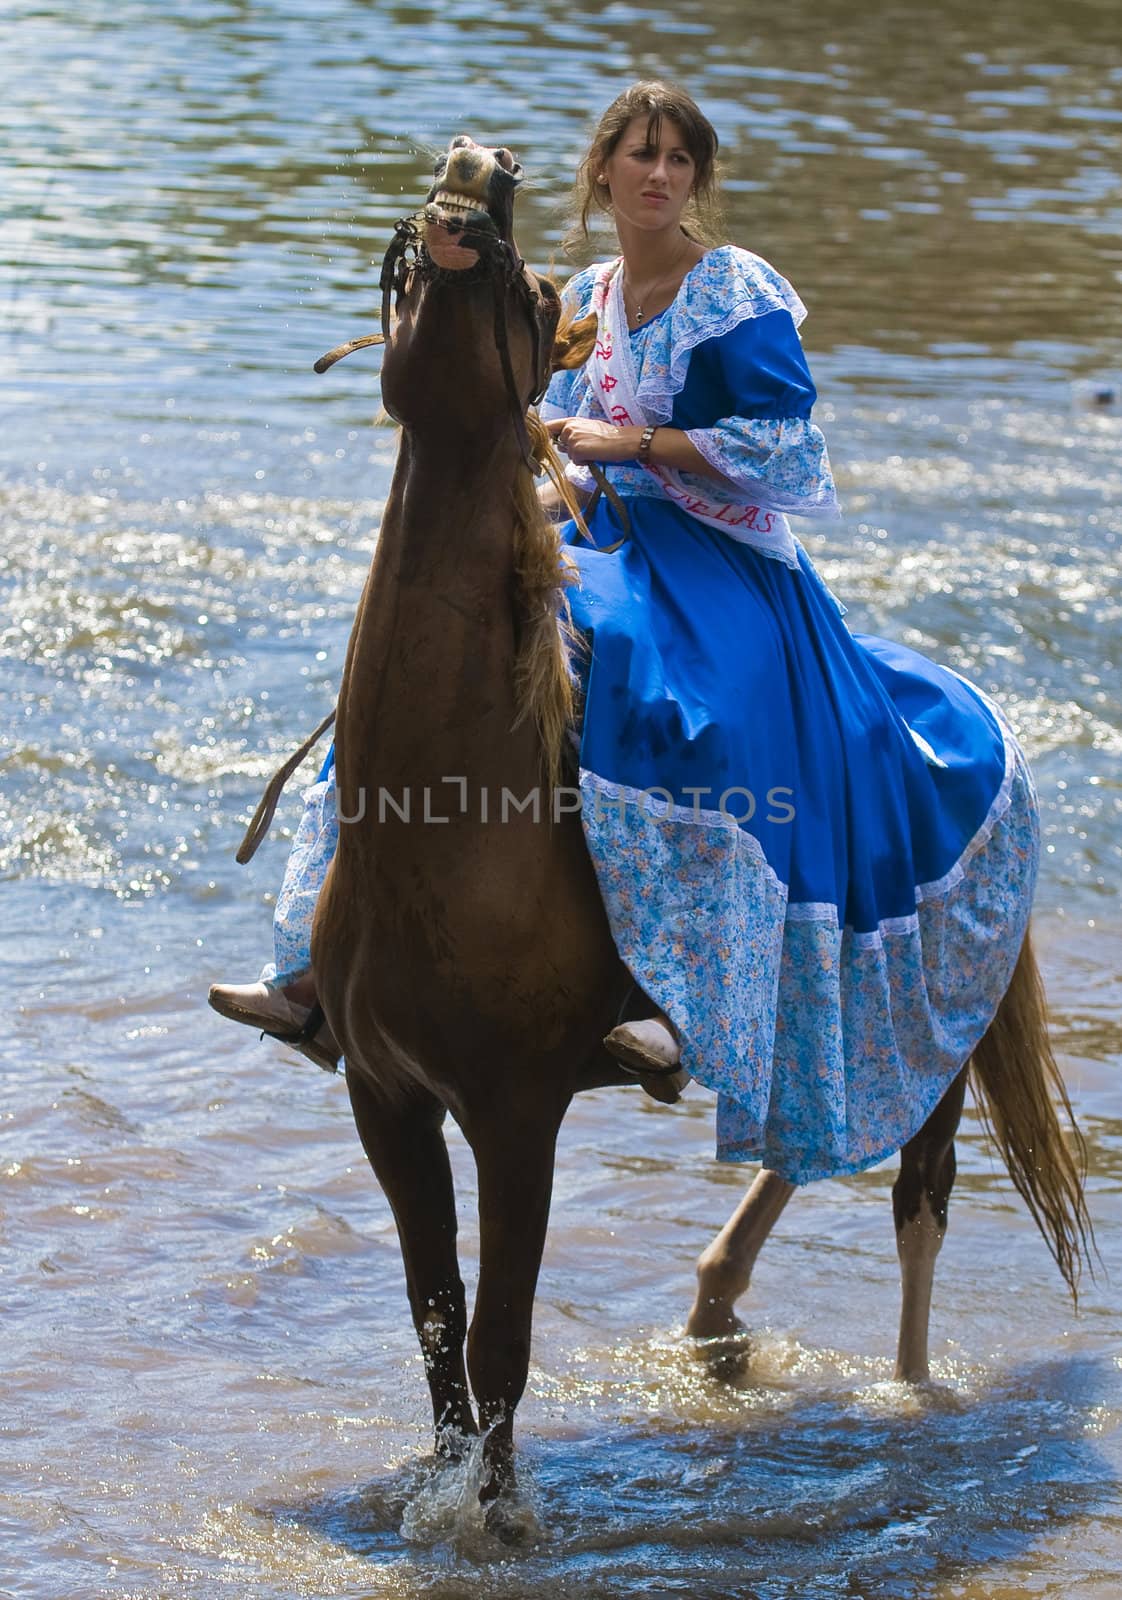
x: 573, y: 342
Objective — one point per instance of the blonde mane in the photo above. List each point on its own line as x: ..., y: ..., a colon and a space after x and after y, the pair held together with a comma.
x: 543, y: 673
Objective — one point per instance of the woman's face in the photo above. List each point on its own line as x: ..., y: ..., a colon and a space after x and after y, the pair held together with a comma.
x: 650, y: 184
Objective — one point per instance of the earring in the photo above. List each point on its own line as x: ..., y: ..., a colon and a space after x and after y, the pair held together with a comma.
x: 601, y: 179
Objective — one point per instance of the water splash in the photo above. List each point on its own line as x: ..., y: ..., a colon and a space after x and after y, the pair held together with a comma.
x: 443, y: 1506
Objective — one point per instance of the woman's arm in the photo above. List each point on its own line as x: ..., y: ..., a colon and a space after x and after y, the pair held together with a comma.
x: 582, y: 439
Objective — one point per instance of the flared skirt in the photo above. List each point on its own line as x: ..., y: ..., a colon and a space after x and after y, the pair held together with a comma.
x: 817, y: 849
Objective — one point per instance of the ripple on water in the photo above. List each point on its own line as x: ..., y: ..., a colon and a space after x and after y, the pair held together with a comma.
x: 831, y: 1487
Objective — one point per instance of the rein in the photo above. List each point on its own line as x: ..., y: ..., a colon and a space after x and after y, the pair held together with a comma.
x: 405, y: 256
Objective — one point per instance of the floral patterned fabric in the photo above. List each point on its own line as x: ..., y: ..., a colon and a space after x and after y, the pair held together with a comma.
x: 317, y: 838
x: 779, y: 463
x: 830, y: 1048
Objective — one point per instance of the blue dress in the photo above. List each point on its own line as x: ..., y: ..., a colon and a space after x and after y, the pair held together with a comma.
x: 817, y: 849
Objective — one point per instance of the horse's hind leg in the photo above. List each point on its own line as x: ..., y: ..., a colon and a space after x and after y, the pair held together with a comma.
x: 725, y: 1267
x: 405, y: 1146
x: 919, y: 1204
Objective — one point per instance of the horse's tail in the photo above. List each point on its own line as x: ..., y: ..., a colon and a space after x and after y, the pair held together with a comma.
x: 1018, y: 1085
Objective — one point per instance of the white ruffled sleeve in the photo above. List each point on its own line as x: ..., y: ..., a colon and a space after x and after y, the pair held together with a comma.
x: 780, y: 463
x: 730, y: 372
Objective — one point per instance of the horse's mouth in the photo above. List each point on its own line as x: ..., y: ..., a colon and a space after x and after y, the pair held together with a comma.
x: 468, y: 209
x: 453, y: 211
x: 457, y: 228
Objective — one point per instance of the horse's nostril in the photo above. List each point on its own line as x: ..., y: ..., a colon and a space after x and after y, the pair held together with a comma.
x: 505, y: 159
x: 460, y: 141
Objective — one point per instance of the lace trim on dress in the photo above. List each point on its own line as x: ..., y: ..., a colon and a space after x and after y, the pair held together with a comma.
x: 781, y: 462
x: 726, y: 287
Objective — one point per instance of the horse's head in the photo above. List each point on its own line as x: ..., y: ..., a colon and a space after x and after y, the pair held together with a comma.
x: 471, y: 202
x: 472, y: 344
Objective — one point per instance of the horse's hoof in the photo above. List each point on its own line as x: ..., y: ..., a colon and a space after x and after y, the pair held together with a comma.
x: 511, y: 1520
x: 725, y: 1356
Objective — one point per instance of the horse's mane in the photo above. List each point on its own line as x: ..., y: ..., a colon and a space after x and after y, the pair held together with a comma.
x: 543, y: 673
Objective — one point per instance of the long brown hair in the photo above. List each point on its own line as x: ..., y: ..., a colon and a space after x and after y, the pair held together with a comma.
x: 656, y: 101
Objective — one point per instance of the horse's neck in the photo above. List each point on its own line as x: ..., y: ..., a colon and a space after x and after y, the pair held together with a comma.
x: 428, y: 687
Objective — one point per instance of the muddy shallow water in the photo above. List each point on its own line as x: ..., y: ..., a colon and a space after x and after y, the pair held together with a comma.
x: 210, y: 1384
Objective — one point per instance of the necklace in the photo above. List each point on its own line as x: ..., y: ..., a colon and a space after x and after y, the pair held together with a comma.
x: 639, y: 314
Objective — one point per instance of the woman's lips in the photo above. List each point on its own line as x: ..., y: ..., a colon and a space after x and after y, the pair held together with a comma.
x: 657, y: 199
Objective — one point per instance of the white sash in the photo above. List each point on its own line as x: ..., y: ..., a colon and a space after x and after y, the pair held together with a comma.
x: 612, y: 376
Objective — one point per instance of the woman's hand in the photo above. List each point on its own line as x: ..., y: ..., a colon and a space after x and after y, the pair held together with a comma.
x: 582, y: 439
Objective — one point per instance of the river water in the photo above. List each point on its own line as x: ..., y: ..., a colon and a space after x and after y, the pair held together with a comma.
x: 210, y: 1384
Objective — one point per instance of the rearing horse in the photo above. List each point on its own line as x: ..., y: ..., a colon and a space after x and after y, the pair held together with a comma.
x: 465, y: 964
x: 464, y: 957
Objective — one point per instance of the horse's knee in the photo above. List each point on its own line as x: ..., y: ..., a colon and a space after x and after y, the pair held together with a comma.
x: 498, y: 1360
x: 922, y: 1190
x: 921, y: 1194
x: 442, y: 1328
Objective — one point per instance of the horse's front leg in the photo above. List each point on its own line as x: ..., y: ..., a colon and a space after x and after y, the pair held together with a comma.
x: 724, y: 1269
x: 405, y: 1145
x: 514, y: 1152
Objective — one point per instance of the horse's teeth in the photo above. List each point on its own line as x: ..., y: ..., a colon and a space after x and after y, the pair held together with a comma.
x: 457, y: 202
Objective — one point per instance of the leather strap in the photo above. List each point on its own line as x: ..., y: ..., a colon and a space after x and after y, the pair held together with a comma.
x: 259, y: 825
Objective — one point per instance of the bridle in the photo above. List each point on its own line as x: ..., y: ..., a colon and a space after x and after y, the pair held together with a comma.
x: 499, y: 262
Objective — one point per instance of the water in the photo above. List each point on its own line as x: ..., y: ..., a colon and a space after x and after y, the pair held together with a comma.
x: 211, y: 1384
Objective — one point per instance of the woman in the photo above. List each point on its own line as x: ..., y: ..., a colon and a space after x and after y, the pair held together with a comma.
x: 816, y: 850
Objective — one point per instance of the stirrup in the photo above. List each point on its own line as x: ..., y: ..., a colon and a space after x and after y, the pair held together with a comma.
x: 306, y: 1040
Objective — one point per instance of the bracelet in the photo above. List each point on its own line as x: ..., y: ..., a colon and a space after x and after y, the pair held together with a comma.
x: 643, y: 454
